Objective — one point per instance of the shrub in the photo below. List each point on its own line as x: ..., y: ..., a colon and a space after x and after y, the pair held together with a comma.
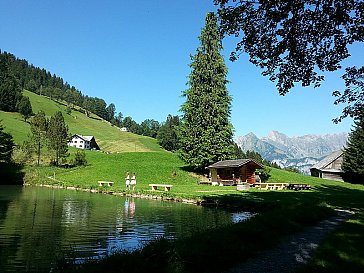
x: 80, y: 158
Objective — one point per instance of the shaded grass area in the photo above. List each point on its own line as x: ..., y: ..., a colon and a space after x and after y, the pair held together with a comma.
x: 342, y: 251
x: 11, y: 173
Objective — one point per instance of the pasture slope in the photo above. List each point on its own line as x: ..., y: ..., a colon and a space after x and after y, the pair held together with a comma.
x: 109, y: 137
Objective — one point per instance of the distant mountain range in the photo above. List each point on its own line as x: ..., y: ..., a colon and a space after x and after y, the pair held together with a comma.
x: 300, y: 152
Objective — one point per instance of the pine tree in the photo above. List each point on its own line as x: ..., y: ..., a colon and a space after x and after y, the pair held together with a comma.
x: 58, y: 136
x: 10, y: 91
x: 354, y: 152
x: 24, y: 107
x: 38, y: 126
x: 206, y: 132
x: 167, y: 135
x: 6, y: 146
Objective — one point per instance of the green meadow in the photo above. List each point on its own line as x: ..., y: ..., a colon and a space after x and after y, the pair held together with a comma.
x: 108, y: 137
x: 280, y: 212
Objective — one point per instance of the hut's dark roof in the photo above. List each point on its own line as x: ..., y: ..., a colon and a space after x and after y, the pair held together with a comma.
x: 327, y: 160
x: 233, y: 163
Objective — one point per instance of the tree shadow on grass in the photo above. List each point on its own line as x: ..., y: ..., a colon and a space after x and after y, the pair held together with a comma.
x: 341, y: 251
x: 337, y: 196
x: 340, y: 196
x: 191, y: 169
x: 11, y: 174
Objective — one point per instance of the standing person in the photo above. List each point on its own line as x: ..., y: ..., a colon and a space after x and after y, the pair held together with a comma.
x: 133, y: 181
x: 127, y: 181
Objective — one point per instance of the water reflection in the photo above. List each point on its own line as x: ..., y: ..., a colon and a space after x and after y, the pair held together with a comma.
x: 39, y: 225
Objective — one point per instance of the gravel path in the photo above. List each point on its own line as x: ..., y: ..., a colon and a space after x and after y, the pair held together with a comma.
x: 294, y: 252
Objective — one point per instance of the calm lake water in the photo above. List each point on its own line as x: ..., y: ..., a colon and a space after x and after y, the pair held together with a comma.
x: 39, y: 225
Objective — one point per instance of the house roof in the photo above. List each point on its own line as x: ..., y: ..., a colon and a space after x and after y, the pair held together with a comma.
x: 86, y: 138
x: 327, y: 160
x: 233, y: 163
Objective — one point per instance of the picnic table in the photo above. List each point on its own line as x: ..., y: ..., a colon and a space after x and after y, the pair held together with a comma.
x: 271, y: 186
x: 165, y: 186
x: 105, y: 183
x: 297, y: 186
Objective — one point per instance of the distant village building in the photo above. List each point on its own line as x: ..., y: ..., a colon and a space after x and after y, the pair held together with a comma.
x: 83, y: 142
x: 233, y: 172
x: 123, y: 129
x: 329, y: 167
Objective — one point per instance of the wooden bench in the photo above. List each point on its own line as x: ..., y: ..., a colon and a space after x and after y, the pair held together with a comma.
x: 105, y: 183
x: 166, y: 187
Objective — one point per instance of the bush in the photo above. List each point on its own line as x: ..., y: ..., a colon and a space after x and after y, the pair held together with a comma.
x: 264, y: 174
x: 80, y: 158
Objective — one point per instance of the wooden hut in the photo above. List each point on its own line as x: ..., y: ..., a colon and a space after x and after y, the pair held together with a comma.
x: 329, y: 167
x: 233, y: 172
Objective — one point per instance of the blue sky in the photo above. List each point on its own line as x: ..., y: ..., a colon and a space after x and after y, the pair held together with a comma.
x: 136, y: 54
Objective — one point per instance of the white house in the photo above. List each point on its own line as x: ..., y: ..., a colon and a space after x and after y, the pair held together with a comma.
x: 83, y: 142
x: 123, y: 129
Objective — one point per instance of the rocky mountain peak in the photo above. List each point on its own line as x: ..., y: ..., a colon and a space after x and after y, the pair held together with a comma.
x: 299, y: 151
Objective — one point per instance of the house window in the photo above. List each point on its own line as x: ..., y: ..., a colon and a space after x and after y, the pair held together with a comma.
x: 80, y: 146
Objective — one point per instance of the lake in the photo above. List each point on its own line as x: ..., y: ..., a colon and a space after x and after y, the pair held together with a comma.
x: 38, y: 226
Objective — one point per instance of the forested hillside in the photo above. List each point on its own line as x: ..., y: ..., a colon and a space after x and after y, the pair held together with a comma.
x: 18, y: 74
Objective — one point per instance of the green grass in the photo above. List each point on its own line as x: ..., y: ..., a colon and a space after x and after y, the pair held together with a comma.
x: 150, y: 167
x: 108, y: 137
x: 15, y: 125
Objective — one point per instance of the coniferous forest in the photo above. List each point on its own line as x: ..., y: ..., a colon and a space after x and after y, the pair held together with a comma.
x: 18, y: 74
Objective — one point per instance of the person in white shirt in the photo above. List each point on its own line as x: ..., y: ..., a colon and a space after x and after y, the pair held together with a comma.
x: 127, y: 181
x: 133, y: 181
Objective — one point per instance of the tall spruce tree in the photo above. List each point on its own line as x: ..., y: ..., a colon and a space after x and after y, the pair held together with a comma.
x: 6, y: 145
x: 25, y: 107
x: 168, y: 133
x: 38, y: 126
x: 354, y: 152
x: 206, y: 132
x: 58, y: 137
x: 10, y: 91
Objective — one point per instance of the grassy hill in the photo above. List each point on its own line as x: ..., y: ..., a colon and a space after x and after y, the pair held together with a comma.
x: 128, y: 151
x: 108, y: 137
